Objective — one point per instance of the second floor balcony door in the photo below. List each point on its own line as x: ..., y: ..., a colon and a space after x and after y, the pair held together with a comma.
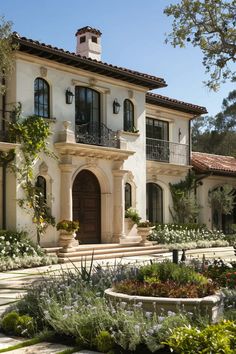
x: 157, y: 140
x: 87, y: 113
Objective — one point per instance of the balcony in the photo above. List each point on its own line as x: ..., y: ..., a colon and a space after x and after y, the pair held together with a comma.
x: 5, y: 118
x: 96, y: 134
x: 166, y: 151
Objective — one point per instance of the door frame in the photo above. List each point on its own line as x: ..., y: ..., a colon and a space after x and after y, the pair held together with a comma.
x: 106, y: 199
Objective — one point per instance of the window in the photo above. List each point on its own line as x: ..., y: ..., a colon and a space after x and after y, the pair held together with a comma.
x: 128, y: 116
x: 87, y: 106
x: 157, y: 140
x: 157, y: 129
x: 41, y: 98
x: 94, y: 39
x: 41, y: 186
x: 128, y: 196
x: 154, y: 203
x: 82, y: 39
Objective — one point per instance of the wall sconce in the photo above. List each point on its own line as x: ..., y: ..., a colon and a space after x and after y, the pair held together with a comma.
x: 180, y: 133
x: 69, y: 96
x: 116, y: 106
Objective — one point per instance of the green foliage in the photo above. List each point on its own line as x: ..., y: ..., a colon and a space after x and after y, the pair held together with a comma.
x: 218, y: 270
x: 216, y: 135
x: 167, y: 270
x: 185, y: 207
x: 168, y: 289
x: 32, y: 133
x: 167, y: 279
x: 13, y: 323
x: 104, y: 341
x: 25, y: 326
x: 222, y: 199
x: 7, y: 49
x: 68, y: 225
x: 9, y: 322
x: 9, y: 263
x: 218, y: 338
x: 209, y: 25
x: 133, y: 215
x: 184, y: 233
x: 17, y: 244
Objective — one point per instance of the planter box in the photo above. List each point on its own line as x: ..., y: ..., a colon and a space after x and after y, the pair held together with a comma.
x: 211, y: 306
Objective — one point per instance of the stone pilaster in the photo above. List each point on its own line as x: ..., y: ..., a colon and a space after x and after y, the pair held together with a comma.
x: 66, y: 190
x: 119, y: 204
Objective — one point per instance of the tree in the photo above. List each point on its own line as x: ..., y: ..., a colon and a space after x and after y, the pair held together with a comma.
x: 7, y: 47
x: 217, y: 135
x: 210, y: 25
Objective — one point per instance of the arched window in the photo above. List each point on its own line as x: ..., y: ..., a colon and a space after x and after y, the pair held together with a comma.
x: 128, y: 196
x: 128, y: 116
x: 154, y: 203
x: 87, y: 106
x: 41, y: 185
x: 41, y: 98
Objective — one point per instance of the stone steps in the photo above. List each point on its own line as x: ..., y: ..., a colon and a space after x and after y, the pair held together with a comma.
x: 108, y: 252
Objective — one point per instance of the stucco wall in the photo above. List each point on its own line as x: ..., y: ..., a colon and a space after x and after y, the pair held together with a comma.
x: 207, y: 184
x: 59, y: 79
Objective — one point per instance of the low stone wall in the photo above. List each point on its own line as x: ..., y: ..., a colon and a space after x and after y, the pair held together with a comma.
x: 211, y: 306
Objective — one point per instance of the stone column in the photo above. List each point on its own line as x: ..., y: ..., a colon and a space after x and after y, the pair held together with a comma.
x: 66, y: 190
x: 119, y: 204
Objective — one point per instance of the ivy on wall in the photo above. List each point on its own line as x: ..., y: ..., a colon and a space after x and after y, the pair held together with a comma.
x: 32, y: 133
x: 185, y: 207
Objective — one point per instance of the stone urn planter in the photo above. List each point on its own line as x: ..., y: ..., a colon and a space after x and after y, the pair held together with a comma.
x: 67, y: 230
x: 67, y: 241
x: 144, y: 232
x: 209, y: 305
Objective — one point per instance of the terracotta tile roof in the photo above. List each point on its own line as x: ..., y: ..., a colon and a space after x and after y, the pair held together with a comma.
x: 217, y: 164
x: 47, y: 51
x: 88, y: 29
x: 168, y: 102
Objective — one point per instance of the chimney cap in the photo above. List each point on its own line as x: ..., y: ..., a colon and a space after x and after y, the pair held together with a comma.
x: 88, y: 29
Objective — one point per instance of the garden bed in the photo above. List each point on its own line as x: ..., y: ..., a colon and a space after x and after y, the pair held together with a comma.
x: 212, y: 305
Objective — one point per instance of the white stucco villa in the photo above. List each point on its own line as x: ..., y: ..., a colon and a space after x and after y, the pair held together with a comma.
x: 119, y: 145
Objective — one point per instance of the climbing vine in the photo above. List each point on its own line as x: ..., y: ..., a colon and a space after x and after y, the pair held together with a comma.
x: 32, y: 133
x: 185, y: 207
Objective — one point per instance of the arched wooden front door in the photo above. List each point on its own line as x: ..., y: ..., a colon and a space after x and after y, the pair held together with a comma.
x: 87, y: 207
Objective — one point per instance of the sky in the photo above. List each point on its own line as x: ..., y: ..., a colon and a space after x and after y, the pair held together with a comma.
x: 133, y: 36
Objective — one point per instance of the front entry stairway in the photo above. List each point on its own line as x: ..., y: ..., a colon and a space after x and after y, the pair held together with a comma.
x: 104, y: 251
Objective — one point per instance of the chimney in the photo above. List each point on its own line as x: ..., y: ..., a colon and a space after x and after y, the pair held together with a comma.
x: 89, y: 43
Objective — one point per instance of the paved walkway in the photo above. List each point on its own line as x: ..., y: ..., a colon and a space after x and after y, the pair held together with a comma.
x: 13, y: 284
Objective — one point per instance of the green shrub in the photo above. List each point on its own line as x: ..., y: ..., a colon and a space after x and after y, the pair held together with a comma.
x: 167, y: 270
x: 104, y: 341
x: 8, y: 263
x: 25, y: 326
x: 17, y: 244
x: 9, y: 322
x: 13, y: 323
x: 218, y: 338
x: 184, y: 233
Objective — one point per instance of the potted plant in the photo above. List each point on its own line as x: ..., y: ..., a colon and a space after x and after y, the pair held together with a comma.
x: 67, y: 234
x: 144, y: 229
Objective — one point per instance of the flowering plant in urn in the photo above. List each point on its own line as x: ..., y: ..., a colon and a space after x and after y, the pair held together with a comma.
x: 68, y: 225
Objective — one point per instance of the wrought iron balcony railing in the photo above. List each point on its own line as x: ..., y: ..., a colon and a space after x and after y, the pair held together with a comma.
x: 96, y: 134
x: 5, y: 118
x: 166, y: 151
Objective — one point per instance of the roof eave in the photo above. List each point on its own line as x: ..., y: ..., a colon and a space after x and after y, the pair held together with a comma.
x: 183, y: 107
x: 68, y: 58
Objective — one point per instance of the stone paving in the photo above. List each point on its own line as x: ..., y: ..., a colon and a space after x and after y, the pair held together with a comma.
x: 13, y: 284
